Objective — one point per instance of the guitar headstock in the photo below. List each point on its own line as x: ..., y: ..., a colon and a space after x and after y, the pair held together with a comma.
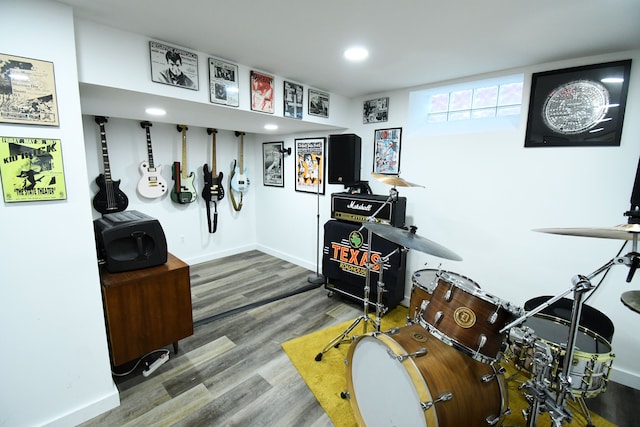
x: 145, y: 124
x: 101, y: 120
x: 182, y: 128
x: 211, y: 131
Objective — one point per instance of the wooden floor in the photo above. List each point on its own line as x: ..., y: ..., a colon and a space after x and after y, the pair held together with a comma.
x: 233, y: 372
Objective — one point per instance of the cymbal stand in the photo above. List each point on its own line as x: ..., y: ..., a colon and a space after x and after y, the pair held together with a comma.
x: 343, y: 337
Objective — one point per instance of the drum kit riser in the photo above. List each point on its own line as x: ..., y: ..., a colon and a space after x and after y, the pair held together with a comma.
x: 432, y: 371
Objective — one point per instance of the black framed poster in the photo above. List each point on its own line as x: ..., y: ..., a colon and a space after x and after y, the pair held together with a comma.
x: 579, y: 106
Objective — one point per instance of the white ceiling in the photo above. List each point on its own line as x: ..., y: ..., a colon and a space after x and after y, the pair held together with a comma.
x: 411, y: 42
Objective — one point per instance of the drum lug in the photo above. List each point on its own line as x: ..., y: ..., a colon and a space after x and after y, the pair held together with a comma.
x: 447, y: 296
x: 401, y: 357
x: 437, y: 318
x: 442, y: 398
x: 493, y: 317
x: 489, y: 377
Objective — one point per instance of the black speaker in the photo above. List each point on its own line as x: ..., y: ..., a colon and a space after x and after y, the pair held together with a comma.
x: 344, y: 158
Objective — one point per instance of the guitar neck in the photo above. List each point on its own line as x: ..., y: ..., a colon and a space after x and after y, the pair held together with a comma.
x: 184, y: 151
x: 146, y: 126
x: 241, y: 152
x: 213, y: 133
x: 105, y: 153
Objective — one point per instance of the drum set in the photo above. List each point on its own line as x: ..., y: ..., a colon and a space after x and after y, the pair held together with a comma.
x: 447, y: 366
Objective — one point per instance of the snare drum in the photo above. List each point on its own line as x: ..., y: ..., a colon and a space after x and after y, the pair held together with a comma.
x: 470, y: 320
x: 423, y: 283
x: 592, y: 356
x: 388, y: 386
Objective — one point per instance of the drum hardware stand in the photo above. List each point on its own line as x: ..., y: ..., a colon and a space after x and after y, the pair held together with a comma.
x: 580, y: 285
x: 380, y: 309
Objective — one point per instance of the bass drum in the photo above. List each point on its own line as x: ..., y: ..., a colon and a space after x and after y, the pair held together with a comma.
x: 389, y: 386
x: 423, y: 284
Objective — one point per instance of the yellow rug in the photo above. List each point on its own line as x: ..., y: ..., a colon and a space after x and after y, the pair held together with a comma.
x: 327, y: 378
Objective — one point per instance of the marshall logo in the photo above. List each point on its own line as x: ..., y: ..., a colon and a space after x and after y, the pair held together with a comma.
x: 359, y: 206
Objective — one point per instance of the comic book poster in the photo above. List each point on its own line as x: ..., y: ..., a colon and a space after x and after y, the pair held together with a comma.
x: 386, y: 157
x: 310, y: 155
x: 262, y: 92
x: 31, y: 169
x: 27, y: 91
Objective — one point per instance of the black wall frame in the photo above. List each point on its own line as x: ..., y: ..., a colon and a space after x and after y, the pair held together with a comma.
x: 578, y: 107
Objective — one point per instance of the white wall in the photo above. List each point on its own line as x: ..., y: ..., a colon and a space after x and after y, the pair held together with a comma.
x: 55, y: 362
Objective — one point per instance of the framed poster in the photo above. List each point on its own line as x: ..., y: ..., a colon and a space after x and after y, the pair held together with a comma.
x: 375, y: 110
x: 262, y: 92
x: 318, y: 103
x: 386, y: 151
x: 579, y: 106
x: 272, y: 168
x: 31, y: 169
x: 310, y: 158
x: 293, y: 100
x: 173, y: 66
x: 27, y: 91
x: 223, y: 83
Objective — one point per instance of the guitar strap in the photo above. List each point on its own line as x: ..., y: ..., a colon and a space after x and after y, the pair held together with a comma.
x: 213, y: 225
x: 236, y: 206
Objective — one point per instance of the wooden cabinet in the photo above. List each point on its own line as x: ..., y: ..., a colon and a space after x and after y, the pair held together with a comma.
x: 146, y: 309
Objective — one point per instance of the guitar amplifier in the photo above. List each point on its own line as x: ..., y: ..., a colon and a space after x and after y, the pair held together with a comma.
x: 358, y: 207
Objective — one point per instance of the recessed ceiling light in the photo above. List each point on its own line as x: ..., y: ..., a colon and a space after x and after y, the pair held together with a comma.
x: 155, y: 111
x: 612, y: 80
x: 271, y: 127
x: 356, y: 53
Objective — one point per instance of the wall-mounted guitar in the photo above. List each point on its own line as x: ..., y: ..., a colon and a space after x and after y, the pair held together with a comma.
x: 213, y: 189
x: 109, y: 198
x: 152, y: 185
x: 238, y: 180
x: 183, y: 191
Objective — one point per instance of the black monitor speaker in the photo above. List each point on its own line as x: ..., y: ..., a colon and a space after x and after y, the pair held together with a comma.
x: 344, y: 158
x: 129, y: 240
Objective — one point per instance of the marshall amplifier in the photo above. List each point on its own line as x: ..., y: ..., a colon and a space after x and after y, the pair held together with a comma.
x: 358, y: 207
x: 344, y: 264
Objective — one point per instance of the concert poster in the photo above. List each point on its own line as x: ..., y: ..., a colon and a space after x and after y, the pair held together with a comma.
x: 27, y: 91
x: 173, y: 66
x: 31, y: 169
x: 223, y: 83
x: 310, y: 159
x: 262, y: 87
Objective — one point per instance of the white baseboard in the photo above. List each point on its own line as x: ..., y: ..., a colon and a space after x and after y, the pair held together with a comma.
x: 625, y: 377
x: 92, y: 410
x: 287, y: 257
x: 221, y: 254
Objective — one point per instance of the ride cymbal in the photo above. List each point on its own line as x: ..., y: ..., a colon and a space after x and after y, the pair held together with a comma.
x: 632, y: 300
x: 409, y: 239
x: 394, y: 180
x: 620, y: 232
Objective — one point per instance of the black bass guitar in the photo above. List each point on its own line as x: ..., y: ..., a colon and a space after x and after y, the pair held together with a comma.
x: 213, y: 189
x: 109, y: 198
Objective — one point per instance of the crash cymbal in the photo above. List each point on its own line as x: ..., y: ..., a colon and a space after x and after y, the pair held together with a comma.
x: 409, y: 239
x: 394, y: 180
x: 632, y: 300
x: 620, y: 232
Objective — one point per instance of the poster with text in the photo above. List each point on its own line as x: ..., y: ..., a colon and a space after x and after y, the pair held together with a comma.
x: 31, y: 169
x: 27, y: 91
x: 310, y: 155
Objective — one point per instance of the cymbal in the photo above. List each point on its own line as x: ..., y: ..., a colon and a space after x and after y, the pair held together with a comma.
x: 409, y: 239
x: 620, y: 232
x: 394, y: 180
x: 632, y: 300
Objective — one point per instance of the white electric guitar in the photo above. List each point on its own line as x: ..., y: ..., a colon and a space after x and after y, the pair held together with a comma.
x: 152, y: 185
x: 239, y: 179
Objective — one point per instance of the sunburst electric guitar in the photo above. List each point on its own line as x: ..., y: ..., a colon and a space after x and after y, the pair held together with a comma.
x: 238, y: 179
x: 109, y: 198
x: 183, y: 191
x: 152, y: 185
x: 213, y: 189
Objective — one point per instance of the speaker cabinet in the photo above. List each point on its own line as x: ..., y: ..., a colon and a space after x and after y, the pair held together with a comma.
x: 344, y: 158
x: 344, y: 261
